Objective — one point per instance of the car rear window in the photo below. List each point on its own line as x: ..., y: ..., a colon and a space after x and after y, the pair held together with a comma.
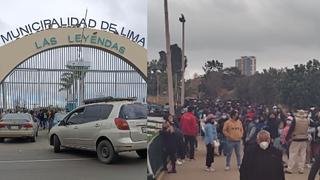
x: 16, y: 117
x: 133, y: 111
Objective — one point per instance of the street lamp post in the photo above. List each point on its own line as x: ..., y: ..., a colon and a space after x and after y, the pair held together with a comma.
x: 168, y: 56
x: 182, y: 20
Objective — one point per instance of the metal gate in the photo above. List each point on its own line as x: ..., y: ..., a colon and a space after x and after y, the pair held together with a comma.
x: 36, y: 82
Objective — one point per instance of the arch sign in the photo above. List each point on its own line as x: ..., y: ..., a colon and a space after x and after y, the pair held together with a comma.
x: 18, y: 51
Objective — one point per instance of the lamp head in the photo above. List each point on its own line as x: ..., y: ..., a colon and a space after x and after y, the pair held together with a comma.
x: 182, y: 19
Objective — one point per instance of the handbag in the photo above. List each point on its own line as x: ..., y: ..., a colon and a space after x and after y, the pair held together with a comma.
x: 216, y: 143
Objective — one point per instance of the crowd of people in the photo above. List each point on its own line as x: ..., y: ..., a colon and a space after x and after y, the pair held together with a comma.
x: 44, y: 116
x: 272, y: 139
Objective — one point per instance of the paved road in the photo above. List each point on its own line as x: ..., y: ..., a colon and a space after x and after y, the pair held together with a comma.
x: 25, y: 160
x: 193, y: 170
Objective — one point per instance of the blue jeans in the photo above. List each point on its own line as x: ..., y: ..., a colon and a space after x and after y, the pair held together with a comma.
x: 236, y: 146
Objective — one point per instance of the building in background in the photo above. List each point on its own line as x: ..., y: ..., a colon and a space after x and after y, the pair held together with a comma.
x: 247, y: 65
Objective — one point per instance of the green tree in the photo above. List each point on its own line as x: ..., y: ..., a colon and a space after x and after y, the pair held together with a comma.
x: 212, y: 66
x: 67, y: 80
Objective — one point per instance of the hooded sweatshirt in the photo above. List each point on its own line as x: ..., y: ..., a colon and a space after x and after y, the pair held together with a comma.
x: 233, y: 130
x: 188, y: 124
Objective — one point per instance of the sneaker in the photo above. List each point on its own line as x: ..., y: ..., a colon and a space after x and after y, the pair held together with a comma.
x: 207, y: 169
x: 227, y: 168
x: 301, y: 171
x: 288, y: 172
x: 178, y: 162
x: 210, y: 169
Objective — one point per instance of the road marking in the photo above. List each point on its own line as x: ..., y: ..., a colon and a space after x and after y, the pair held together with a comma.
x: 45, y: 160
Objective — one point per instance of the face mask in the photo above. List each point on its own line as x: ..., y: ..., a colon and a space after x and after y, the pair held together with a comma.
x: 289, y: 122
x: 264, y: 145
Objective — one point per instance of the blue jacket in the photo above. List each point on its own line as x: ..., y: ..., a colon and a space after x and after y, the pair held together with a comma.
x: 210, y: 133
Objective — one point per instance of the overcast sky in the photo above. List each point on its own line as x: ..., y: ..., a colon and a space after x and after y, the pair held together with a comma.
x: 127, y: 13
x: 280, y: 33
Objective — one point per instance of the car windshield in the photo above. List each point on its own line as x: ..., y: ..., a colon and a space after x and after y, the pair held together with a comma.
x: 21, y: 117
x: 133, y: 111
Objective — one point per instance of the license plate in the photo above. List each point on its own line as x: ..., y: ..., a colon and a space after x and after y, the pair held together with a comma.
x: 14, y: 127
x: 144, y: 129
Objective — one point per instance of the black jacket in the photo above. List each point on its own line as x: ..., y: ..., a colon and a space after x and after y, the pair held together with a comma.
x: 314, y: 169
x: 273, y: 128
x: 170, y: 141
x: 259, y: 164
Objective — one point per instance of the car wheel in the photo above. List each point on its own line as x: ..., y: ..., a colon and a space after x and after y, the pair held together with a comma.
x: 56, y: 144
x: 1, y: 140
x: 106, y: 152
x: 142, y: 153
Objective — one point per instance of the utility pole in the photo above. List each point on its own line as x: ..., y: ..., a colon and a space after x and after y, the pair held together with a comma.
x: 169, y: 65
x: 182, y: 20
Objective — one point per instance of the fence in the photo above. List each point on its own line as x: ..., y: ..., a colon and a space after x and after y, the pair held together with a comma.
x: 37, y: 81
x: 154, y: 147
x: 155, y: 162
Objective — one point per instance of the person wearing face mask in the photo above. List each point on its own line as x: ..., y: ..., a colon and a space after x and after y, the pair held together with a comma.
x: 284, y: 135
x: 258, y: 125
x: 233, y: 130
x: 298, y: 132
x: 262, y: 161
x: 210, y: 136
x: 222, y: 138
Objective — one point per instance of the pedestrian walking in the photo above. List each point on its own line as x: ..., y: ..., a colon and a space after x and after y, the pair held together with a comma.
x: 188, y: 124
x: 298, y: 148
x: 233, y: 130
x: 262, y: 161
x: 210, y: 135
x: 50, y: 119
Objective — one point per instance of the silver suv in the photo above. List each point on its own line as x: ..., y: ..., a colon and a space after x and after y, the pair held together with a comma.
x: 108, y: 128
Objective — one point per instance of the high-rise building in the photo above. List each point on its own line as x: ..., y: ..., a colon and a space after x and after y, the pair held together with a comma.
x: 247, y: 65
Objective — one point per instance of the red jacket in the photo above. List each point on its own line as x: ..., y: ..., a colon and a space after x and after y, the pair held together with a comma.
x: 188, y: 124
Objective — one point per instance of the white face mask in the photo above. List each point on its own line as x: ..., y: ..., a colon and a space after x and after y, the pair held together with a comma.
x: 264, y: 145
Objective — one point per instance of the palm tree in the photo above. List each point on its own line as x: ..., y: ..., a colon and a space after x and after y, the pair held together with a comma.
x: 67, y: 80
